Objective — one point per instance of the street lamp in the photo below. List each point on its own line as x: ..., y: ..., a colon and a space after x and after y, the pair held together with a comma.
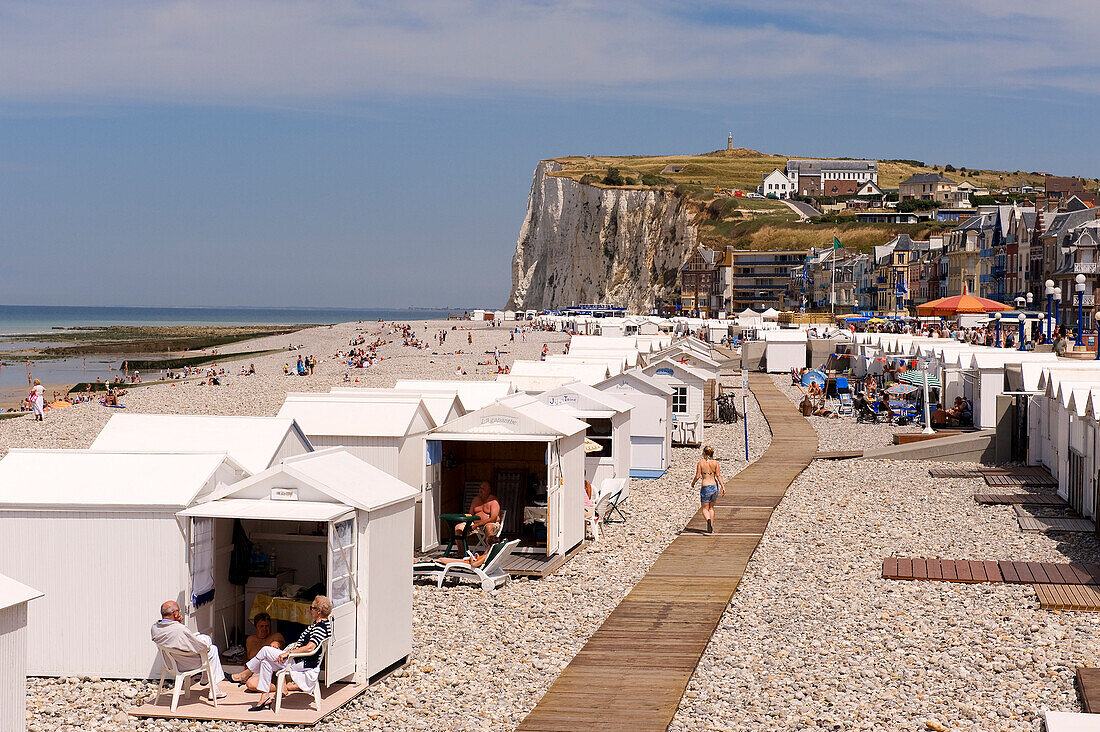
x: 1049, y: 291
x: 1057, y: 306
x: 997, y: 330
x: 1079, y: 286
x: 1022, y: 319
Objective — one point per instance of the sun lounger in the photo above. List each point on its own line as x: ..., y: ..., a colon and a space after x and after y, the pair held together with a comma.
x: 491, y: 574
x: 844, y: 393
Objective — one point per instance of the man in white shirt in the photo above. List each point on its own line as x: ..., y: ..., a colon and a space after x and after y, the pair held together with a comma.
x: 170, y: 632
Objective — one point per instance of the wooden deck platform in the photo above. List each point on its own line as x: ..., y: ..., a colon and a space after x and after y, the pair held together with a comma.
x: 1033, y: 499
x: 538, y: 565
x: 838, y: 454
x: 297, y: 707
x: 1054, y: 525
x: 1076, y: 598
x: 1088, y: 686
x: 1030, y: 481
x: 632, y: 672
x: 964, y: 570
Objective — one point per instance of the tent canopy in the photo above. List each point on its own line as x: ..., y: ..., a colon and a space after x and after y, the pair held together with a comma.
x: 956, y: 304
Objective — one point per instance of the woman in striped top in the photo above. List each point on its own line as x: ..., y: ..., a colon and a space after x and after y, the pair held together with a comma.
x: 304, y: 670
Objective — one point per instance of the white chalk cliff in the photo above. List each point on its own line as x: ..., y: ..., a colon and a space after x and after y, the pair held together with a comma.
x: 583, y: 244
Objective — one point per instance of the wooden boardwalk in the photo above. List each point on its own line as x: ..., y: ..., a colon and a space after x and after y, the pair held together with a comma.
x: 632, y: 672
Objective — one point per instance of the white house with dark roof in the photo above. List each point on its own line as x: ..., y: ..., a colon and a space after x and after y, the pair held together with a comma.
x: 776, y: 184
x: 810, y: 176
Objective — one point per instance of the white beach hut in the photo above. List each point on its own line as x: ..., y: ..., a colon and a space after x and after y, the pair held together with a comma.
x: 14, y: 597
x: 989, y: 379
x: 1078, y: 482
x: 608, y: 419
x: 616, y: 364
x: 532, y: 456
x: 650, y: 420
x: 1033, y: 379
x: 99, y: 529
x: 387, y: 434
x: 602, y: 343
x: 474, y: 394
x: 333, y: 519
x: 588, y: 373
x: 785, y: 350
x: 688, y: 385
x: 443, y: 406
x: 256, y: 443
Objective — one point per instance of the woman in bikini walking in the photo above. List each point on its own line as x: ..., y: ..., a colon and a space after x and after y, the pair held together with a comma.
x: 709, y: 476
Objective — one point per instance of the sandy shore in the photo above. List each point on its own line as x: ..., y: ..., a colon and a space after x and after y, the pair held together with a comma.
x: 480, y: 661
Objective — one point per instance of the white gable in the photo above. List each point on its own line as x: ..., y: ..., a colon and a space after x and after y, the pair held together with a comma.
x: 336, y: 416
x: 443, y: 406
x: 15, y: 593
x: 583, y: 398
x: 474, y: 394
x: 74, y: 479
x: 251, y: 441
x: 637, y: 379
x: 681, y: 370
x: 520, y: 420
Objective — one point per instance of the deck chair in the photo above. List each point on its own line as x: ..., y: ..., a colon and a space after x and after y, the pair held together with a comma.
x: 478, y: 541
x: 844, y: 393
x: 598, y: 512
x: 171, y: 660
x: 615, y: 491
x: 491, y: 574
x: 284, y: 673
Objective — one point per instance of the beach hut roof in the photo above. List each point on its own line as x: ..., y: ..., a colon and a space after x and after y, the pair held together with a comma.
x: 589, y: 373
x: 770, y: 314
x: 331, y: 415
x: 601, y: 343
x: 13, y: 593
x: 251, y: 441
x: 533, y: 384
x: 645, y: 379
x: 1081, y: 401
x: 999, y: 357
x: 688, y: 368
x: 522, y: 418
x: 439, y: 404
x: 785, y: 336
x: 1054, y: 373
x: 474, y: 394
x: 587, y: 399
x: 325, y: 483
x: 81, y: 479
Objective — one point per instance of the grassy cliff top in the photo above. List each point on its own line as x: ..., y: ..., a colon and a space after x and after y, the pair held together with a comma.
x: 743, y: 168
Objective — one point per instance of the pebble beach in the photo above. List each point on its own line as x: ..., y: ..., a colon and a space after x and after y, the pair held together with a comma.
x: 813, y: 639
x: 481, y: 661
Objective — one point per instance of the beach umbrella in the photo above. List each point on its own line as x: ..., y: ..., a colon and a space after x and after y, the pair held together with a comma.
x: 811, y: 376
x: 901, y: 389
x: 948, y: 306
x: 917, y: 378
x: 592, y: 446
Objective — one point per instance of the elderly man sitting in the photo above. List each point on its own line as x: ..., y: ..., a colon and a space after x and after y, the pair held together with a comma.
x: 169, y: 632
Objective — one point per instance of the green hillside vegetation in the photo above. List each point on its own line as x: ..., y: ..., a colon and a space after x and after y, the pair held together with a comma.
x: 707, y: 180
x: 742, y: 169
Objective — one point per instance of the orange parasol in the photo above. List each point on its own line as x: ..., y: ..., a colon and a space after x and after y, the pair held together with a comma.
x: 956, y: 304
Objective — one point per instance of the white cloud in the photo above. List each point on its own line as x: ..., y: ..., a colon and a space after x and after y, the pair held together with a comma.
x: 291, y: 51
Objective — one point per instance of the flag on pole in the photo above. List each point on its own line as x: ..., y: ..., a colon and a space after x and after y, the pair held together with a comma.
x: 837, y: 244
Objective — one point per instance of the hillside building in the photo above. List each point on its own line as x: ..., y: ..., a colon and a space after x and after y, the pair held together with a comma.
x: 813, y: 177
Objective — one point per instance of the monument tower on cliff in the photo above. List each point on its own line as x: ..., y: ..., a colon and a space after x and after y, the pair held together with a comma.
x: 729, y: 142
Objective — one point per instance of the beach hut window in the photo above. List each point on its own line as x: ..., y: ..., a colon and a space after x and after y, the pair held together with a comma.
x: 679, y: 400
x: 342, y: 560
x: 599, y: 431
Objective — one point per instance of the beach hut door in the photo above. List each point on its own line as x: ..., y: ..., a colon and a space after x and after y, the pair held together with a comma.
x: 555, y: 502
x: 343, y: 590
x: 431, y: 495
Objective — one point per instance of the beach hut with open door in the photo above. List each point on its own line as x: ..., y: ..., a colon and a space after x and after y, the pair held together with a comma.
x: 650, y: 420
x: 14, y: 598
x: 608, y: 419
x: 388, y: 434
x: 688, y: 386
x: 338, y: 525
x: 99, y: 530
x: 533, y: 458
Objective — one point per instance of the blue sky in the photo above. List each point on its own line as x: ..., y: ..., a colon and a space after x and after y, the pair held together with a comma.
x: 344, y: 153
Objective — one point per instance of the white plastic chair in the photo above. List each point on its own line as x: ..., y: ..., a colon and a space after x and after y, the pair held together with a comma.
x: 478, y: 541
x: 283, y: 674
x: 171, y: 660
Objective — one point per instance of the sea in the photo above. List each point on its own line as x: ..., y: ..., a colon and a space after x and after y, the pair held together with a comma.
x: 19, y: 324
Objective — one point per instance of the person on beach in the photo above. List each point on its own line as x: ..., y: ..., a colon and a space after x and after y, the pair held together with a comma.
x: 709, y: 476
x: 37, y: 399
